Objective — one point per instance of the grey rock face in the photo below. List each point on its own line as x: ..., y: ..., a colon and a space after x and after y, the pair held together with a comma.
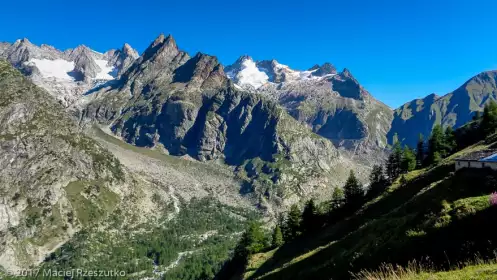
x: 85, y: 67
x: 189, y: 107
x: 453, y: 109
x: 333, y: 104
x: 45, y: 164
x: 157, y: 63
x: 122, y: 59
x: 325, y: 69
x: 3, y: 46
x: 23, y: 50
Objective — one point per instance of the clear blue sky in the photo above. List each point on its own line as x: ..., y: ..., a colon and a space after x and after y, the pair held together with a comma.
x: 399, y: 50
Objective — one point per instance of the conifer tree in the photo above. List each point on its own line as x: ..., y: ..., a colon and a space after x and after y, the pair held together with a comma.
x: 420, y: 152
x: 436, y: 145
x: 449, y: 142
x: 277, y: 239
x: 489, y: 118
x: 293, y: 223
x: 394, y: 162
x: 337, y: 199
x: 252, y: 241
x: 408, y: 160
x: 378, y: 181
x: 310, y: 221
x: 353, y: 191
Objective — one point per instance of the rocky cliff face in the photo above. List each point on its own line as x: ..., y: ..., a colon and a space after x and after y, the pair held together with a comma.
x: 52, y: 178
x: 263, y: 118
x: 56, y: 181
x: 188, y: 106
x: 453, y: 109
x: 333, y: 104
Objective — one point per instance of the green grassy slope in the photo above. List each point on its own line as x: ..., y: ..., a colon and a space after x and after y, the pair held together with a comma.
x: 439, y: 217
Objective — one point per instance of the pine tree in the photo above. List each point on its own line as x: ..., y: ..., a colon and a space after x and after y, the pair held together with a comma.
x: 282, y: 223
x: 420, y: 152
x: 436, y: 145
x: 378, y: 181
x: 252, y: 241
x: 293, y: 223
x: 353, y: 191
x: 337, y: 199
x: 489, y: 118
x: 394, y: 162
x: 450, y: 143
x: 408, y: 162
x: 310, y: 217
x: 277, y: 239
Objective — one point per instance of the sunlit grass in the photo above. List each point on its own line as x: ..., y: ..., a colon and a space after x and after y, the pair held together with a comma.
x: 477, y: 269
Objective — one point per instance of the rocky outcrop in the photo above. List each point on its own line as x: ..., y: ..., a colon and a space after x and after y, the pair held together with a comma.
x: 188, y: 106
x: 85, y: 68
x: 453, y: 109
x: 122, y: 59
x: 3, y: 46
x: 323, y: 70
x: 52, y: 178
x: 333, y: 104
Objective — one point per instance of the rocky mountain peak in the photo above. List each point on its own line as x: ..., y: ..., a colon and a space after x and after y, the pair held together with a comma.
x: 347, y: 86
x: 21, y: 51
x: 323, y: 70
x: 162, y: 48
x: 128, y: 50
x: 48, y: 47
x: 78, y: 52
x: 315, y: 67
x: 346, y: 73
x: 201, y: 71
x: 243, y: 58
x: 85, y: 67
x: 158, y: 41
x: 24, y: 41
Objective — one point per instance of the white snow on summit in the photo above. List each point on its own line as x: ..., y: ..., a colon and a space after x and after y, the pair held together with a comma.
x: 58, y: 68
x: 251, y: 75
x: 107, y: 72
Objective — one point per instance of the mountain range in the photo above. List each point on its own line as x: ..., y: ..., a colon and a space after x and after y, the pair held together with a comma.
x: 332, y: 103
x: 269, y: 135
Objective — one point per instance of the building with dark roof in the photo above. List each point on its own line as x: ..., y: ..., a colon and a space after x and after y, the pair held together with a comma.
x: 478, y: 159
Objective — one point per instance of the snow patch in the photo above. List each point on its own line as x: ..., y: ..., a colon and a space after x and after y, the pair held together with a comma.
x: 106, y: 72
x: 58, y: 68
x: 251, y: 75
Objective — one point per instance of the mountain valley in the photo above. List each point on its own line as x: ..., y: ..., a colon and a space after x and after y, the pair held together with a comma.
x: 156, y: 163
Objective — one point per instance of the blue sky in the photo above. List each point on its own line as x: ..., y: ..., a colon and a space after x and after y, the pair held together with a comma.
x: 399, y: 50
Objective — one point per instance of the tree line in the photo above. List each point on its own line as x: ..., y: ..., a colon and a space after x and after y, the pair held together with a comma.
x: 353, y: 195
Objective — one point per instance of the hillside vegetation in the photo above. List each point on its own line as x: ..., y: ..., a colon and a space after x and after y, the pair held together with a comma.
x: 432, y: 215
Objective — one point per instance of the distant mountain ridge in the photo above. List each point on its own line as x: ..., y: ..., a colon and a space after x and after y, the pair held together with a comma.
x: 187, y: 106
x: 453, y: 109
x: 67, y: 74
x: 332, y: 104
